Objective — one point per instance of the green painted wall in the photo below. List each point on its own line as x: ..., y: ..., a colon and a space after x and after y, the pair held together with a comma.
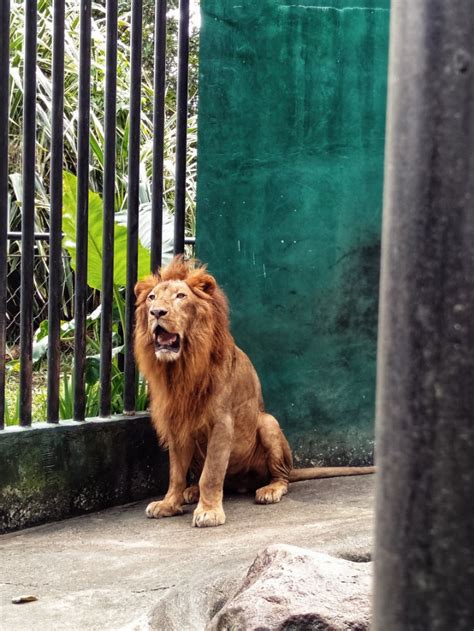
x: 291, y: 138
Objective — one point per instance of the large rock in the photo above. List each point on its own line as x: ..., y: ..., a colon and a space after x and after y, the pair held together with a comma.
x: 190, y: 605
x: 295, y: 589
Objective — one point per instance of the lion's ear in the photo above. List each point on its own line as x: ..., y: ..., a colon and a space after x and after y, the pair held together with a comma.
x: 144, y: 286
x: 201, y: 281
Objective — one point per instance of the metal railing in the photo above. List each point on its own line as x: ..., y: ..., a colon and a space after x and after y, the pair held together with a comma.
x: 28, y: 236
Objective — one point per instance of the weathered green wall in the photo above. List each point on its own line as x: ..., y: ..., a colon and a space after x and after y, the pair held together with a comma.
x: 291, y: 137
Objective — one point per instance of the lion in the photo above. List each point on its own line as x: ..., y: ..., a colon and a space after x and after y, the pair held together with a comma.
x: 206, y: 399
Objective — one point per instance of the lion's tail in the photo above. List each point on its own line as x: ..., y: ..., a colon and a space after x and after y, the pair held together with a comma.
x: 314, y: 473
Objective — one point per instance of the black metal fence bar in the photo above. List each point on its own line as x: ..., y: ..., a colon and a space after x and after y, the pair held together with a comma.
x: 20, y: 293
x: 38, y: 236
x: 4, y: 80
x: 56, y: 188
x: 28, y: 210
x: 424, y: 556
x: 80, y: 298
x: 159, y: 135
x: 108, y: 210
x: 133, y: 204
x: 181, y: 127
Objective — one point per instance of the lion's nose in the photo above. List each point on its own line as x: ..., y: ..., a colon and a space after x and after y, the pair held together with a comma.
x: 158, y: 313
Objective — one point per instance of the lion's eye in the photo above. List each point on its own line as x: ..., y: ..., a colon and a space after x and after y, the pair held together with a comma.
x: 180, y: 295
x: 151, y: 296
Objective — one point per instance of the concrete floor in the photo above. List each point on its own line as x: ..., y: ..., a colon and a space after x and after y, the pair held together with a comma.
x: 117, y: 570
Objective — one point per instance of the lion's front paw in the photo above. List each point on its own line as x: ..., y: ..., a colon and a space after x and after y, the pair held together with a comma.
x: 206, y: 518
x: 271, y: 494
x: 191, y: 494
x: 155, y: 510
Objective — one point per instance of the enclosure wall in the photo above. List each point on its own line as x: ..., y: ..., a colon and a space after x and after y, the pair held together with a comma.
x: 291, y: 139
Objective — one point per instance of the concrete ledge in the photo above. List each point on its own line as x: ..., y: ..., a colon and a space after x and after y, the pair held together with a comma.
x: 49, y: 472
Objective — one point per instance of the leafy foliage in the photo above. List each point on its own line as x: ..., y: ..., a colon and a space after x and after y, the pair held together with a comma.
x: 44, y: 110
x: 94, y: 253
x: 43, y: 159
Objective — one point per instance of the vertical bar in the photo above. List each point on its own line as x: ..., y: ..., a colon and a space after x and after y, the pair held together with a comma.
x: 158, y: 135
x: 181, y: 127
x: 133, y: 189
x: 80, y: 297
x: 108, y: 210
x: 28, y: 211
x: 4, y: 70
x: 424, y: 556
x: 56, y: 188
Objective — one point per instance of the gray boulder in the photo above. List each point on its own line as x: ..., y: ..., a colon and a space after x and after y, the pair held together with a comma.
x: 294, y: 589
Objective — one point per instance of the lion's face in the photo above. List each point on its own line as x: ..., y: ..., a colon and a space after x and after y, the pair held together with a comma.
x: 181, y: 314
x: 170, y: 307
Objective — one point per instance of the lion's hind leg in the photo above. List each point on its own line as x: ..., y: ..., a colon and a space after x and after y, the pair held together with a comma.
x: 279, y: 461
x: 191, y: 494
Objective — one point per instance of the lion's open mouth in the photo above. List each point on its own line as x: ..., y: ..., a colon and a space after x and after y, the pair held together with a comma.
x: 166, y: 341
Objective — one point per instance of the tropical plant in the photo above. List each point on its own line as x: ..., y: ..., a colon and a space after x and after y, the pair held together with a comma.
x: 92, y: 374
x: 43, y: 155
x: 44, y: 108
x: 94, y: 280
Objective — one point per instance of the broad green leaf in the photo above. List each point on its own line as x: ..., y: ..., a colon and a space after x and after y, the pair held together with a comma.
x: 39, y: 349
x: 13, y: 365
x: 41, y: 331
x: 92, y: 371
x: 94, y: 256
x: 144, y: 229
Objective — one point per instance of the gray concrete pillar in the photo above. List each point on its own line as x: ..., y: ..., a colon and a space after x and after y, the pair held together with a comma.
x: 424, y: 553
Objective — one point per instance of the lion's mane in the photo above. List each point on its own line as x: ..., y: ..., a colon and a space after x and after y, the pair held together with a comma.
x: 181, y: 390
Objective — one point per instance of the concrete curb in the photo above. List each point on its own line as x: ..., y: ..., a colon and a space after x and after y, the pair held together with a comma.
x: 49, y: 472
